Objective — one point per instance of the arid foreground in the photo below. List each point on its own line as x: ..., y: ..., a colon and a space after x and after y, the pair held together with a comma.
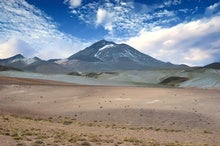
x: 37, y: 112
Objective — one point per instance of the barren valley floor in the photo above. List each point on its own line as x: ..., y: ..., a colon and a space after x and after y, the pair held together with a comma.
x: 39, y: 112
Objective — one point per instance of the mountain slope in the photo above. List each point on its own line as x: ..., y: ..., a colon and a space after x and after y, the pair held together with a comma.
x: 6, y: 68
x: 215, y: 65
x: 109, y: 56
x: 19, y: 61
x: 102, y: 56
x: 105, y: 51
x: 32, y: 64
x: 89, y: 53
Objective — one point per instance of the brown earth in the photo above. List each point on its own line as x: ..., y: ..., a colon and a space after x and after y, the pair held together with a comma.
x: 39, y: 112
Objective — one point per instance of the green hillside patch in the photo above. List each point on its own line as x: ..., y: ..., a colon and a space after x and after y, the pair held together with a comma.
x: 173, y: 81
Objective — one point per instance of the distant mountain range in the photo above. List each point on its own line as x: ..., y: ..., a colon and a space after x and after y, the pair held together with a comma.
x: 31, y: 64
x: 101, y: 56
x: 6, y: 68
x: 215, y: 65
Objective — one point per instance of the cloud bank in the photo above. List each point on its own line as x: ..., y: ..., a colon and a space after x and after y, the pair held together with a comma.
x: 24, y: 26
x: 193, y: 43
x: 15, y: 46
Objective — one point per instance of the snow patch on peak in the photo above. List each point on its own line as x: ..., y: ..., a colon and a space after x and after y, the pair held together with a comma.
x: 106, y: 46
x: 29, y: 60
x: 15, y: 60
x: 103, y: 48
x: 61, y: 61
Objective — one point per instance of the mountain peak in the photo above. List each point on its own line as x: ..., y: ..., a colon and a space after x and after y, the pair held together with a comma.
x: 103, y: 41
x: 18, y: 56
x: 37, y: 58
x: 101, y: 44
x: 15, y: 57
x: 112, y: 53
x: 88, y: 54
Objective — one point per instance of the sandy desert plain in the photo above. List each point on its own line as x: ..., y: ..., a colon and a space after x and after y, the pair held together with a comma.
x: 42, y: 112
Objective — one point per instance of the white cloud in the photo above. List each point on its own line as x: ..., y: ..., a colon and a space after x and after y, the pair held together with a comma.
x: 165, y: 13
x: 177, y: 2
x: 212, y: 8
x: 105, y: 18
x: 123, y: 19
x: 73, y: 3
x: 24, y: 22
x: 172, y: 2
x: 193, y: 43
x: 15, y: 46
x: 101, y: 16
x: 195, y: 54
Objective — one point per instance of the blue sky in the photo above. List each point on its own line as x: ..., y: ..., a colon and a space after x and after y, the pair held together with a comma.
x: 177, y: 31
